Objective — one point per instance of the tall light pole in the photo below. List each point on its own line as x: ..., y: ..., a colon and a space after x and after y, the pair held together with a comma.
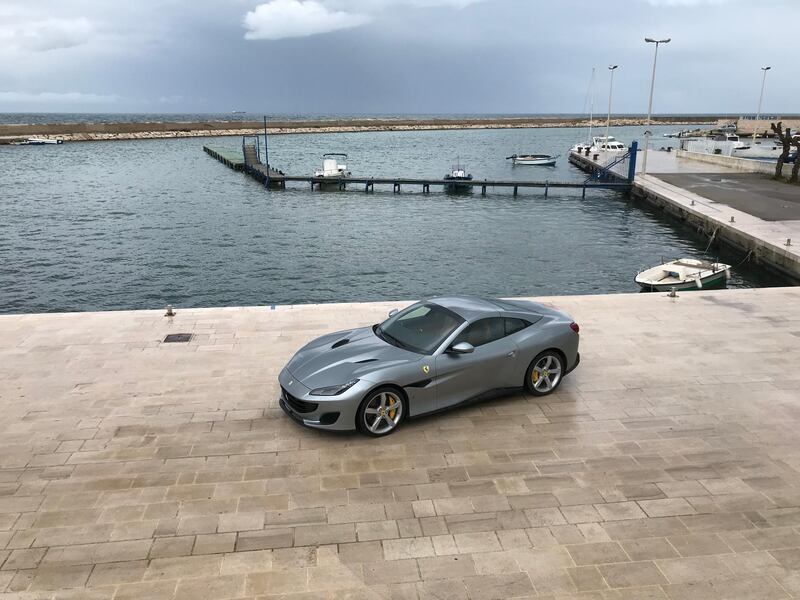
x: 648, y: 134
x: 760, y: 98
x: 611, y: 68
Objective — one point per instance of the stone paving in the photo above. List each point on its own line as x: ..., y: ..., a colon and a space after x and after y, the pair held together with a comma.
x: 667, y: 466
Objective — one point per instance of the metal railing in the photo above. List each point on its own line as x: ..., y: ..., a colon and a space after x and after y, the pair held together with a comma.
x: 604, y: 173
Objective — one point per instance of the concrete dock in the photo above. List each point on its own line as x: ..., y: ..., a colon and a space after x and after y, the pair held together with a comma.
x: 666, y: 467
x: 749, y: 212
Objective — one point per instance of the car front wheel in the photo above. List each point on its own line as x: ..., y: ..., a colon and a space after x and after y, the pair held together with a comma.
x: 381, y: 412
x: 544, y: 373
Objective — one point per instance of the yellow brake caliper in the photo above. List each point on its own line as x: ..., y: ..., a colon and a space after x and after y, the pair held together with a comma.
x: 535, y: 376
x: 392, y: 411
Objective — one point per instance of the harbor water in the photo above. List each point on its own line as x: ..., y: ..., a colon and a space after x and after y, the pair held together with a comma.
x: 139, y: 224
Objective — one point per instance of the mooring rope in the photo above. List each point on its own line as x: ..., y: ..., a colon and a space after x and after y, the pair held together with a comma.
x: 711, y: 240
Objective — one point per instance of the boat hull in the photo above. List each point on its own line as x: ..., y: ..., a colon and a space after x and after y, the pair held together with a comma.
x: 457, y: 185
x: 535, y: 162
x: 330, y: 183
x: 457, y: 188
x: 718, y: 279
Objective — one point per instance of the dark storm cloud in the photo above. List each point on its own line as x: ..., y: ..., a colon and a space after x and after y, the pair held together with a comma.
x: 389, y: 56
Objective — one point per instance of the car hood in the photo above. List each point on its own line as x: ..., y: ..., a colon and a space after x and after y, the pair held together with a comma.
x: 339, y: 357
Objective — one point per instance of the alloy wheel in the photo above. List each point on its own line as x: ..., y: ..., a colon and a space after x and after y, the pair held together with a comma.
x: 383, y: 412
x: 546, y: 373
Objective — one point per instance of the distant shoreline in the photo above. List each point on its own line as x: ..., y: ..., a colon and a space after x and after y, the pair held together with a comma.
x: 77, y: 132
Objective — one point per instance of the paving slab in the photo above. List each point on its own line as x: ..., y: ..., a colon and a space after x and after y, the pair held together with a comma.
x: 667, y: 464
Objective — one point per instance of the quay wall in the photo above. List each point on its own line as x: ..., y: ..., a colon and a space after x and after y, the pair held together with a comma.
x: 764, y: 242
x: 745, y: 165
x: 673, y: 201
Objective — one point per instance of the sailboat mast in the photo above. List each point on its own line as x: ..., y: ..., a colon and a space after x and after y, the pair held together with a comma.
x: 591, y: 105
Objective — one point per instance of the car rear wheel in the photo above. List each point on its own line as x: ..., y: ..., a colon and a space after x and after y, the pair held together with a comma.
x: 544, y: 373
x: 381, y: 412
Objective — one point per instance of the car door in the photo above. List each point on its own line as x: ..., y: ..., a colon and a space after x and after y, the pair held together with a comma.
x: 461, y: 377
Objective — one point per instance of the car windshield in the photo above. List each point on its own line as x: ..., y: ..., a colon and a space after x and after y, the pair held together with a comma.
x: 420, y: 328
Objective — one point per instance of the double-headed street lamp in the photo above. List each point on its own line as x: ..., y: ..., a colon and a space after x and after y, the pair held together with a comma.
x: 611, y: 68
x: 648, y: 133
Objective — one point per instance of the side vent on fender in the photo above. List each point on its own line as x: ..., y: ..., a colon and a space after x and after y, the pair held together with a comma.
x: 420, y: 384
x: 340, y: 343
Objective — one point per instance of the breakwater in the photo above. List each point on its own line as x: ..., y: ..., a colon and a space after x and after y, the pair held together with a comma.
x: 155, y: 130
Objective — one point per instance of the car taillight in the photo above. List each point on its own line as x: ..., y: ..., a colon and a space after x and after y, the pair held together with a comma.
x: 575, y: 327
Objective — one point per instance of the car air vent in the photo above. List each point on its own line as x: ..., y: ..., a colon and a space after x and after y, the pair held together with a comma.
x: 340, y: 343
x: 366, y: 360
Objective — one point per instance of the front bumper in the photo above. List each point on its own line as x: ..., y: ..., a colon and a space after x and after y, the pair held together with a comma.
x: 335, y: 413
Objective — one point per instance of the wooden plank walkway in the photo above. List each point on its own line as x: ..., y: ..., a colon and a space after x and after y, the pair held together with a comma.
x: 231, y: 158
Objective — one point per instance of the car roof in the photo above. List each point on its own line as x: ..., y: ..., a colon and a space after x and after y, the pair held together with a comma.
x: 469, y: 307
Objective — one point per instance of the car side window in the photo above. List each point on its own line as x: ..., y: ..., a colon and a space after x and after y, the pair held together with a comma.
x: 515, y: 325
x: 482, y: 332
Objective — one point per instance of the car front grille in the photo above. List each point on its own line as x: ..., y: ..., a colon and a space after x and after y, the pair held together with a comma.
x: 297, y: 405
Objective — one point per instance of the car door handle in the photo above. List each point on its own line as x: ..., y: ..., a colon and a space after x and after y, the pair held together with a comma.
x: 512, y: 354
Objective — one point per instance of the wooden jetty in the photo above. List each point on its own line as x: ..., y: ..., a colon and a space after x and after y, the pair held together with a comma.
x: 259, y: 171
x: 250, y: 162
x: 231, y: 158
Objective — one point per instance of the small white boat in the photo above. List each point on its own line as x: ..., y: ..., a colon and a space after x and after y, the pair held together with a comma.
x: 542, y: 160
x: 35, y: 141
x: 332, y: 172
x: 684, y: 274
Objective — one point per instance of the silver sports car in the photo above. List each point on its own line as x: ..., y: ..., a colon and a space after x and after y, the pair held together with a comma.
x: 433, y: 355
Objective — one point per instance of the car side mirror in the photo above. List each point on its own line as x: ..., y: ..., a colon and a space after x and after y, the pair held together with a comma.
x: 462, y: 348
x: 393, y: 312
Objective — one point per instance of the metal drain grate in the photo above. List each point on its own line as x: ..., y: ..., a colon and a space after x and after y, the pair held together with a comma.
x: 173, y: 338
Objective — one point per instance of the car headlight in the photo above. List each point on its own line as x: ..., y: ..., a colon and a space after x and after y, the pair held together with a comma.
x: 334, y: 390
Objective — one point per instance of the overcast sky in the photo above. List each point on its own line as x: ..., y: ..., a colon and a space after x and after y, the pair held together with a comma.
x: 394, y: 56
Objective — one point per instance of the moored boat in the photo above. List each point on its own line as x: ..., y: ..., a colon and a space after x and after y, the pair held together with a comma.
x: 37, y: 141
x: 333, y: 172
x: 684, y: 274
x: 609, y: 144
x: 542, y: 160
x: 455, y: 181
x: 766, y: 149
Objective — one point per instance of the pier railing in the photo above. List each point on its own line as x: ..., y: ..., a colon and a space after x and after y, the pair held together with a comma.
x: 623, y: 167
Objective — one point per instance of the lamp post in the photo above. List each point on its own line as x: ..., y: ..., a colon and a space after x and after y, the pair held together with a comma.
x: 648, y: 134
x: 760, y: 99
x: 611, y: 68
